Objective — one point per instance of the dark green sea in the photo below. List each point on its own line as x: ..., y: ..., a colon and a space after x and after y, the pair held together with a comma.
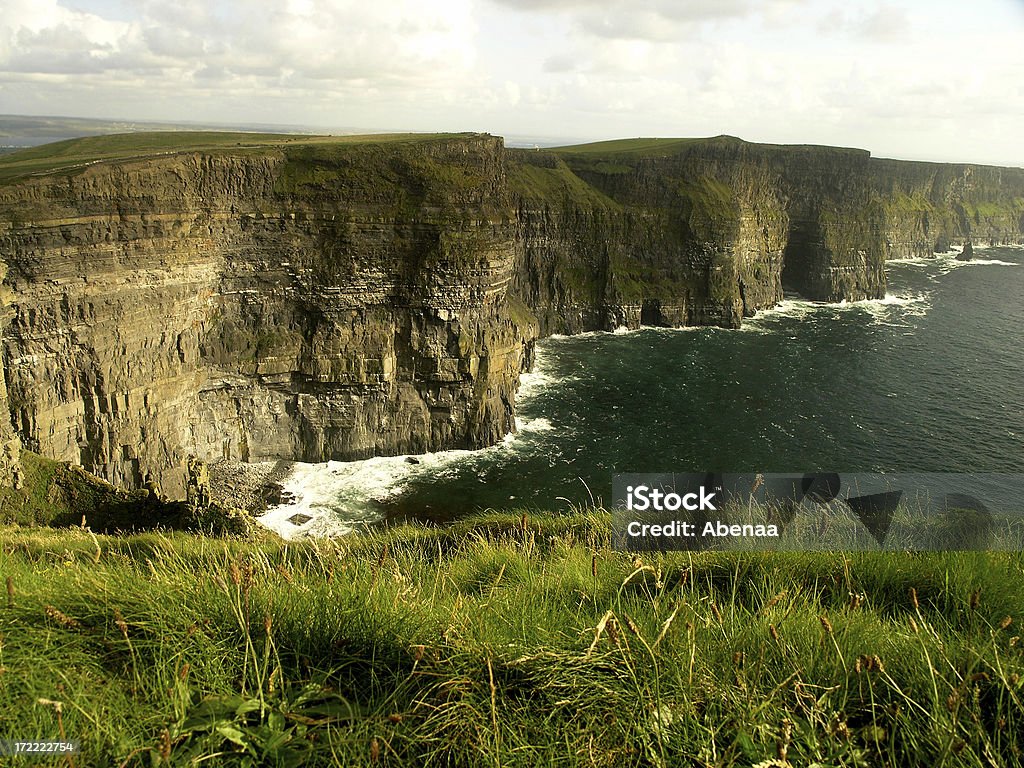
x: 929, y: 379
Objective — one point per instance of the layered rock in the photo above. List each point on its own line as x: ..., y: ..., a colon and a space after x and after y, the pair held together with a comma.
x: 10, y: 442
x: 331, y: 302
x: 662, y: 241
x: 931, y: 206
x: 698, y: 233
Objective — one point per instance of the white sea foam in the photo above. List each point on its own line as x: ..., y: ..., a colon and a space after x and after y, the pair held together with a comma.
x: 584, y: 335
x: 890, y: 299
x: 534, y: 425
x: 915, y: 305
x: 921, y: 260
x: 989, y: 262
x: 683, y: 329
x: 986, y: 246
x: 789, y: 308
x: 534, y: 381
x: 894, y: 299
x: 880, y: 309
x: 947, y: 262
x: 340, y: 496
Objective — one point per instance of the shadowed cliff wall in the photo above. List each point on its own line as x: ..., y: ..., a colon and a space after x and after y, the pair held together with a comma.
x: 699, y: 233
x: 931, y: 206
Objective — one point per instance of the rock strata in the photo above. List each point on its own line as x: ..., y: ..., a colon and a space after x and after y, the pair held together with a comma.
x: 328, y: 302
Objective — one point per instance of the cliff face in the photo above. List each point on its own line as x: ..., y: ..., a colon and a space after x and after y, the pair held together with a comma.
x: 694, y: 233
x: 10, y: 442
x: 343, y: 299
x: 931, y: 206
x: 675, y: 240
x: 316, y: 303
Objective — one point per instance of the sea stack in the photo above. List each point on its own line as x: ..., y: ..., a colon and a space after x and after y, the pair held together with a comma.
x: 967, y: 253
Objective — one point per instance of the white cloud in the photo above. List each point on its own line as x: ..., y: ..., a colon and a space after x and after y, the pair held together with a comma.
x: 886, y: 23
x: 880, y: 24
x: 894, y: 76
x: 513, y: 93
x: 654, y: 20
x: 559, y: 62
x: 398, y: 44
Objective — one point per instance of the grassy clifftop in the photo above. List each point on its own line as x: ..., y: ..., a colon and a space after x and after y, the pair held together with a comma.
x: 544, y: 178
x: 504, y: 641
x: 67, y: 156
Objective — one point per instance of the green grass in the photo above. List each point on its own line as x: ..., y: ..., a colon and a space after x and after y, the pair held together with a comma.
x: 710, y: 200
x: 506, y: 641
x: 660, y: 147
x: 640, y: 146
x: 31, y: 504
x: 913, y: 203
x: 56, y: 493
x: 554, y: 184
x: 991, y: 209
x: 74, y: 154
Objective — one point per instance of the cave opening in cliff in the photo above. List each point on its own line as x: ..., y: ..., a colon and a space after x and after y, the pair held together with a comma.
x: 650, y: 313
x: 798, y: 259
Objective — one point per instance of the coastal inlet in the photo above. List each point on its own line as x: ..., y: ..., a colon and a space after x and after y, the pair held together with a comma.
x: 927, y: 379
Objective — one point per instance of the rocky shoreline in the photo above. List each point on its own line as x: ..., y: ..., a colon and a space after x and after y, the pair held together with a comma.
x: 252, y: 487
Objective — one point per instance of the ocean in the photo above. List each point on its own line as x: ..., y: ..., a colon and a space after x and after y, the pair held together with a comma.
x: 928, y: 379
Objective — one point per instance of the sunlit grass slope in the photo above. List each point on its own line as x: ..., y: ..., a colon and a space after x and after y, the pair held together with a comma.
x: 506, y: 641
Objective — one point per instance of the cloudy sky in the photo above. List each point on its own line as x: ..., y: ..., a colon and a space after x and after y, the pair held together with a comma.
x: 923, y: 79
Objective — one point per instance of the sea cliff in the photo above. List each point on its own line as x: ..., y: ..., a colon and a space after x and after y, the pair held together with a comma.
x: 314, y: 302
x: 317, y: 298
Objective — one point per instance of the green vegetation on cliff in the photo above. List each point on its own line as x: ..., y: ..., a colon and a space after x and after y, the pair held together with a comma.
x: 363, y: 165
x: 642, y: 147
x: 711, y: 202
x: 74, y: 154
x: 544, y: 179
x: 506, y: 641
x: 56, y: 493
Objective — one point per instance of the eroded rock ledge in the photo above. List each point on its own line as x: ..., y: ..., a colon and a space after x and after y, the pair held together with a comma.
x: 337, y: 301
